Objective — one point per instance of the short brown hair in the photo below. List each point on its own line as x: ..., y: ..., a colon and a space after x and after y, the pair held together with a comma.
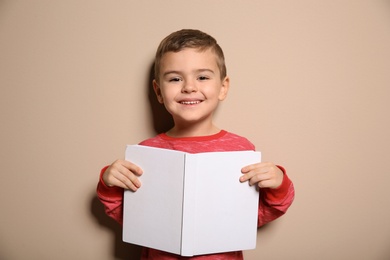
x: 189, y: 38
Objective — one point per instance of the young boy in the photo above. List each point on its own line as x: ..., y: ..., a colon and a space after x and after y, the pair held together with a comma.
x: 190, y: 80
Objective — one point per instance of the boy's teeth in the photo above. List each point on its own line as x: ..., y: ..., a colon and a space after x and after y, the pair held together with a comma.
x: 190, y: 102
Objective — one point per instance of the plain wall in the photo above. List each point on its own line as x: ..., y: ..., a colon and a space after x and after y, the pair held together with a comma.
x: 310, y: 87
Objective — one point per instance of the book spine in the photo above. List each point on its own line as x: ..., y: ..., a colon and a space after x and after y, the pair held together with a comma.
x: 189, y: 194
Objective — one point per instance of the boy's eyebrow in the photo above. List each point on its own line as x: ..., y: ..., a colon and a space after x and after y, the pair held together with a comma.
x: 179, y: 72
x: 205, y: 70
x: 171, y: 72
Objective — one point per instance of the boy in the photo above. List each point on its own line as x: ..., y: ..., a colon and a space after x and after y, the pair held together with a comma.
x: 190, y: 80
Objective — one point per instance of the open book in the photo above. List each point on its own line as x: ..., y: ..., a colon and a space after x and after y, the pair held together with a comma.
x: 191, y: 204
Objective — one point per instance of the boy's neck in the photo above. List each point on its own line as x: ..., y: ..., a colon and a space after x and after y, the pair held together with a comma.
x: 178, y: 131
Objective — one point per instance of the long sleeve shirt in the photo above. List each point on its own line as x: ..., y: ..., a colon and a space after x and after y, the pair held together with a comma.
x: 273, y: 203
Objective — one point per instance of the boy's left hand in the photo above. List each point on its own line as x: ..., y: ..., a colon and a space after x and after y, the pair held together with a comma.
x: 264, y: 175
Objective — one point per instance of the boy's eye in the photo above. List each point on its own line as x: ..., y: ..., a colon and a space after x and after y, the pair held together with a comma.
x: 176, y: 79
x: 203, y: 78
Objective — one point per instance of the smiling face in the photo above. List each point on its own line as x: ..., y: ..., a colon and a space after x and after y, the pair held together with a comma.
x: 190, y: 87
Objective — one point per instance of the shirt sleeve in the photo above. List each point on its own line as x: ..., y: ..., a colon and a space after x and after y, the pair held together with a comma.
x: 274, y: 203
x: 112, y: 199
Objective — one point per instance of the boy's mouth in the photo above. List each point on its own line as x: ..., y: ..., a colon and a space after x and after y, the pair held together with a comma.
x: 190, y: 102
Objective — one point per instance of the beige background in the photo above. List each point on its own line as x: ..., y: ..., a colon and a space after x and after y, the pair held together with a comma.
x: 310, y: 88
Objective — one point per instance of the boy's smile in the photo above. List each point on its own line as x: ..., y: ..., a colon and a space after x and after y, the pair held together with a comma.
x: 190, y: 86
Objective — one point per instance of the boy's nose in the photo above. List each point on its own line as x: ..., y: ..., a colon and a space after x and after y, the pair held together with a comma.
x: 189, y: 86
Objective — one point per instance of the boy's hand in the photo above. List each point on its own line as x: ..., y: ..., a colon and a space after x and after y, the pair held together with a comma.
x: 123, y: 174
x: 264, y: 175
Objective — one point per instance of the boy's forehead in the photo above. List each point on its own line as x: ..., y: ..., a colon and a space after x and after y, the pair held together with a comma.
x: 189, y: 56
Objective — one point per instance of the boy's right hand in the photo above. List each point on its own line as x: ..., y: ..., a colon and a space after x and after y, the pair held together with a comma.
x: 123, y: 174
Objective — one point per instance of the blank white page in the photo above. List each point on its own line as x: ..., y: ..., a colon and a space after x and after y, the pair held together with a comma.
x: 153, y: 214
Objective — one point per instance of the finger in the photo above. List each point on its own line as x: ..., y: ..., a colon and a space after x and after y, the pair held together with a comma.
x: 257, y: 178
x: 127, y: 182
x: 248, y: 168
x: 258, y: 167
x: 129, y: 178
x: 128, y: 186
x: 248, y: 176
x: 132, y: 167
x: 252, y: 170
x: 131, y: 186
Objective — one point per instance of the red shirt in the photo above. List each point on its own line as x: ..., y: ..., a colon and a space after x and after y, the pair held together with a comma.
x: 272, y: 203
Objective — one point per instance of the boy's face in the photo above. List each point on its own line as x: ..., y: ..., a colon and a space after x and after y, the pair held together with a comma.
x: 190, y: 85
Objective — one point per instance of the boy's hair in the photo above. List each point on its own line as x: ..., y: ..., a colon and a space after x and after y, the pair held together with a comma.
x: 189, y: 38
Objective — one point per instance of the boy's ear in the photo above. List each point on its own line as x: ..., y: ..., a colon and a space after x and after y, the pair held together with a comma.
x: 224, y: 88
x: 157, y: 90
